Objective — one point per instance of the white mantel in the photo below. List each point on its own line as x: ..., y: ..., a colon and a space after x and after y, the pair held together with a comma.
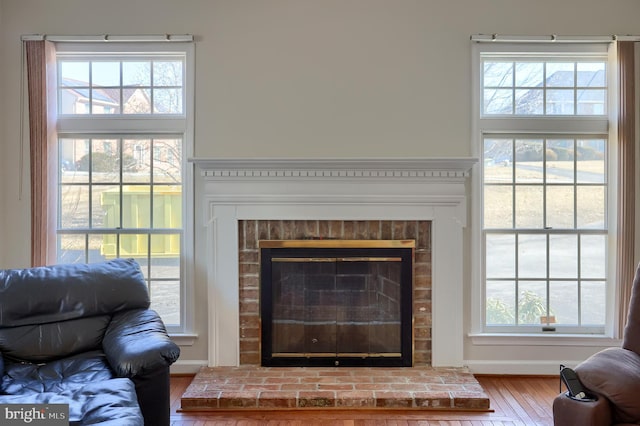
x: 334, y: 189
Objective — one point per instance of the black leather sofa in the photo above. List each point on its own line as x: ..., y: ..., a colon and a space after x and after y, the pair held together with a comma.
x: 83, y: 335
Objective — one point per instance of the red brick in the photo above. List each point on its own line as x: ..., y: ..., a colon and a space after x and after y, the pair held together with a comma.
x: 438, y: 400
x: 355, y: 399
x: 278, y: 400
x: 470, y: 401
x: 387, y: 399
x: 335, y: 387
x: 317, y: 399
x: 298, y: 387
x: 238, y: 399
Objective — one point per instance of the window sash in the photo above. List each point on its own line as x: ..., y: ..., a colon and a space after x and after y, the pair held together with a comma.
x: 538, y: 83
x: 151, y: 85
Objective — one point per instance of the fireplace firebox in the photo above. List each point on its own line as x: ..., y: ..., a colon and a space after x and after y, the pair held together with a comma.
x: 336, y: 302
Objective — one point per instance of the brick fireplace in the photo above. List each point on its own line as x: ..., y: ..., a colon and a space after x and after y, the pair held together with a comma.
x: 251, y: 232
x: 245, y: 200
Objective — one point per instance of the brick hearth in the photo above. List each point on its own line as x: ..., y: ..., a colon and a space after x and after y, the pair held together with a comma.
x: 263, y: 388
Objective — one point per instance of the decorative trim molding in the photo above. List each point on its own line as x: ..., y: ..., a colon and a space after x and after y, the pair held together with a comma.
x: 302, y: 199
x: 327, y: 168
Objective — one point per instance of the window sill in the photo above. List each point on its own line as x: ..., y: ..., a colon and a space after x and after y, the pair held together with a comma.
x: 183, y: 339
x: 520, y: 339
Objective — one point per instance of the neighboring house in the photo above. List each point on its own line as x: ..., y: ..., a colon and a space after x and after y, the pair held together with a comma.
x: 77, y: 97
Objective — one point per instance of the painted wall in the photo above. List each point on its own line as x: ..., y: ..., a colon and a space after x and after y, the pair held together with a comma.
x: 304, y: 78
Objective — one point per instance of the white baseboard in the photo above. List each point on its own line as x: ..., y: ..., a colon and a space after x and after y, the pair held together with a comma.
x: 190, y: 366
x: 520, y: 367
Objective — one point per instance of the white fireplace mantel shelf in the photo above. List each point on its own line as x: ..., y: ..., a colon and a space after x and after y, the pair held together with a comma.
x: 455, y: 165
x: 334, y: 189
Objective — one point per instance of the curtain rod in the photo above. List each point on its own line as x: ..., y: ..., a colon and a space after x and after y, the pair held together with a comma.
x: 110, y: 38
x: 552, y: 38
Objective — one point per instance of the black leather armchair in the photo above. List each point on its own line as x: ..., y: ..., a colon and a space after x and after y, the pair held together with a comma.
x: 83, y: 334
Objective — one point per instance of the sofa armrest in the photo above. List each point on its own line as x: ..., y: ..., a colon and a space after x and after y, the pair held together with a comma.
x: 570, y: 412
x: 136, y: 343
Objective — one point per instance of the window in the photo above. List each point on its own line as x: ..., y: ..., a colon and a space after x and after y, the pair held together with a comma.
x: 544, y: 86
x: 124, y: 133
x: 543, y: 135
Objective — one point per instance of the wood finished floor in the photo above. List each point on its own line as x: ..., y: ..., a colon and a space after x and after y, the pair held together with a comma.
x: 516, y: 400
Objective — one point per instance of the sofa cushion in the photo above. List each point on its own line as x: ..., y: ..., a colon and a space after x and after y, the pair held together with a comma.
x: 50, y: 341
x: 62, y: 292
x: 56, y: 376
x: 107, y: 403
x: 615, y: 374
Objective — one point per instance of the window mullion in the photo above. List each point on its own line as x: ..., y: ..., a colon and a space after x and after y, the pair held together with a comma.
x: 579, y: 278
x: 575, y: 88
x: 121, y: 88
x: 90, y: 185
x: 151, y: 91
x: 544, y: 88
x: 517, y: 278
x: 513, y: 185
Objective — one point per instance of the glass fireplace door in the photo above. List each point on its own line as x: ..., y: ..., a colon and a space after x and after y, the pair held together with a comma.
x: 304, y: 308
x: 336, y: 307
x: 369, y: 315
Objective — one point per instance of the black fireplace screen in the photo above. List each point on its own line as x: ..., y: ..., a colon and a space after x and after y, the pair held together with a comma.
x: 339, y: 306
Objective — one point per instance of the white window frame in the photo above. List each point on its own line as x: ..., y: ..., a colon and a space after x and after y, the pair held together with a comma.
x: 152, y: 124
x: 549, y: 125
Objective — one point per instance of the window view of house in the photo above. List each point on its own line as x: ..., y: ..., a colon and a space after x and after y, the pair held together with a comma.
x: 544, y: 87
x: 121, y: 87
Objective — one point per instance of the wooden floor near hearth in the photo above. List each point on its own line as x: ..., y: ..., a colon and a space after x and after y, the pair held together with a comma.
x: 516, y: 400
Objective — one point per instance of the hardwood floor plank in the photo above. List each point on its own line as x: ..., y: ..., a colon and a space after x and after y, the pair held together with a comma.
x: 515, y: 401
x: 498, y: 402
x: 539, y: 404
